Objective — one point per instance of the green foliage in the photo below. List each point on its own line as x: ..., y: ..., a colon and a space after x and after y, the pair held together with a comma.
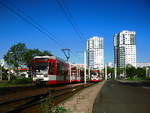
x: 15, y: 55
x: 5, y: 84
x: 120, y: 71
x: 110, y: 70
x: 30, y: 54
x: 138, y: 78
x: 141, y: 72
x: 47, y: 106
x: 46, y: 53
x: 19, y: 54
x: 22, y: 81
x: 131, y: 71
x: 111, y: 78
x: 12, y: 77
x: 16, y: 81
x: 60, y: 109
x: 138, y: 73
x: 3, y: 73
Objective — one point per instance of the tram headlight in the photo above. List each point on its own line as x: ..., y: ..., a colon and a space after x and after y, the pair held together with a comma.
x: 45, y: 75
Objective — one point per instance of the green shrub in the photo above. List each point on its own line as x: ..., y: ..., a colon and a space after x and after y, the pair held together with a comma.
x: 47, y: 106
x: 22, y: 81
x: 60, y: 109
x: 138, y: 78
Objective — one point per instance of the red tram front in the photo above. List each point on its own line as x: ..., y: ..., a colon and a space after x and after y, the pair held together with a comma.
x: 53, y: 70
x: 95, y: 76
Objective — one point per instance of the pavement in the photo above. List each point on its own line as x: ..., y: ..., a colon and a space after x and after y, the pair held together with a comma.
x: 123, y: 97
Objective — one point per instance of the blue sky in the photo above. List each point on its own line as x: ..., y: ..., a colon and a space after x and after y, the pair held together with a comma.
x: 101, y: 18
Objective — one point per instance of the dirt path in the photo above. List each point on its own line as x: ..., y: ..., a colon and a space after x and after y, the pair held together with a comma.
x: 83, y: 101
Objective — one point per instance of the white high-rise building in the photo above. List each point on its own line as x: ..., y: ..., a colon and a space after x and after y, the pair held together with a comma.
x: 125, y: 48
x: 95, y: 53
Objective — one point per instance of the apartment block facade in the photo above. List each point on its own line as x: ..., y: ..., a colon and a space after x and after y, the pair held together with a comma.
x: 125, y: 48
x: 95, y: 53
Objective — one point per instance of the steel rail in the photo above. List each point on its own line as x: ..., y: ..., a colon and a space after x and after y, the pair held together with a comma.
x: 33, y: 100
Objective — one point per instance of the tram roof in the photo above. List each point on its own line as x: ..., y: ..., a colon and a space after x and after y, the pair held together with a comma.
x: 51, y: 57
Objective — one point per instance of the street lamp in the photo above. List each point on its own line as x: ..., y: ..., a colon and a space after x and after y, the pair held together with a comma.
x: 1, y: 71
x: 105, y: 71
x: 84, y: 58
x: 85, y: 67
x: 115, y: 68
x: 9, y: 66
x: 1, y: 64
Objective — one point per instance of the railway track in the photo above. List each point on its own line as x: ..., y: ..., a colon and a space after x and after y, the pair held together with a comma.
x: 8, y: 90
x: 27, y: 104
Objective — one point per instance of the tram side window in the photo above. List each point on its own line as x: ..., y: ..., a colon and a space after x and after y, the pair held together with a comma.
x: 51, y: 68
x: 66, y: 72
x: 59, y: 69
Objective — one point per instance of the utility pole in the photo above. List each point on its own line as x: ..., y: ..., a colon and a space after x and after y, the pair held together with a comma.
x: 66, y: 52
x: 70, y: 72
x: 9, y: 70
x: 115, y: 71
x: 79, y: 72
x: 77, y: 69
x: 89, y: 72
x: 125, y: 70
x: 105, y: 71
x: 147, y: 72
x: 85, y: 67
x: 1, y: 71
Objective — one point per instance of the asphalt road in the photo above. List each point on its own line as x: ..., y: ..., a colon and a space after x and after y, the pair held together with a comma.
x: 116, y: 97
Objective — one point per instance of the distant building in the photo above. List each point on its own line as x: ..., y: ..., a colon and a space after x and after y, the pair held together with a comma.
x: 3, y: 64
x: 125, y: 48
x: 110, y: 64
x: 95, y: 53
x: 141, y: 65
x: 23, y: 67
x: 81, y: 66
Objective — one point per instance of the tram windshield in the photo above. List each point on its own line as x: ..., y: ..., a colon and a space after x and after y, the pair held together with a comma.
x: 41, y: 67
x: 94, y: 74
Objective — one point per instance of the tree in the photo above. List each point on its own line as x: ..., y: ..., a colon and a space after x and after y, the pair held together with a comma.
x: 15, y: 55
x: 3, y: 73
x: 19, y: 54
x: 31, y: 53
x: 47, y: 53
x: 141, y: 72
x: 130, y: 71
x: 110, y: 71
x: 120, y: 71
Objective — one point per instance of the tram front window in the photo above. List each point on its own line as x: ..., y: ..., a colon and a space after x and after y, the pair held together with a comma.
x: 41, y: 67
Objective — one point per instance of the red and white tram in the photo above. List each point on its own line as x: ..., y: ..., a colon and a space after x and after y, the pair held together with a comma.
x: 53, y: 70
x: 95, y: 76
